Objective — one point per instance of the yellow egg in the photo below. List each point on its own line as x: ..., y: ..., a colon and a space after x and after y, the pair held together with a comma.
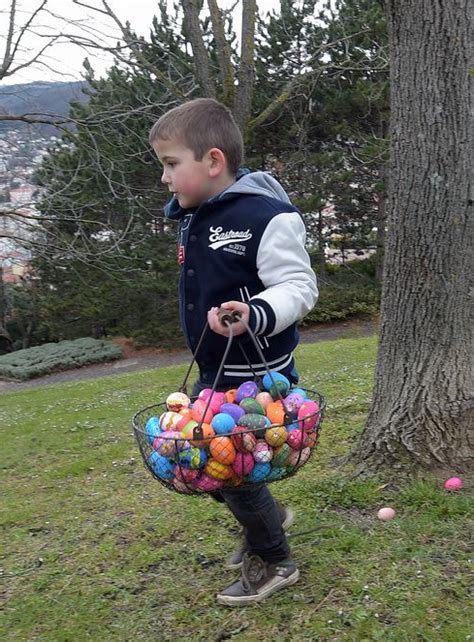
x: 217, y: 470
x: 275, y: 435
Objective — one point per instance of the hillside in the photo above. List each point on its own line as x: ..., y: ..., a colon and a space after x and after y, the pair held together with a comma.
x: 39, y: 97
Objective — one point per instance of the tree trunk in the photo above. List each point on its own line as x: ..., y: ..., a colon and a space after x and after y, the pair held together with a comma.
x: 243, y: 98
x: 422, y: 414
x: 381, y: 224
x: 192, y: 27
x: 223, y: 53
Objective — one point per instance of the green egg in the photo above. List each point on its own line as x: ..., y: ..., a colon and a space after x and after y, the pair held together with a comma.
x: 280, y: 455
x: 252, y: 406
x: 253, y: 421
x: 279, y: 388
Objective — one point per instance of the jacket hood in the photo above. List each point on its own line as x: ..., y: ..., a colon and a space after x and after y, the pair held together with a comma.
x: 258, y: 183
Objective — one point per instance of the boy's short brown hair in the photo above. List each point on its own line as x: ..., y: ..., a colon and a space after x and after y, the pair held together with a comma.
x: 200, y: 125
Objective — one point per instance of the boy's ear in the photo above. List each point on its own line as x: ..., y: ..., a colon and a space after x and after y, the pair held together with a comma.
x: 217, y: 162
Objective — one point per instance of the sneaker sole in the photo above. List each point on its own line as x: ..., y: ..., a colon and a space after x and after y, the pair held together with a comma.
x: 243, y: 600
x: 286, y: 524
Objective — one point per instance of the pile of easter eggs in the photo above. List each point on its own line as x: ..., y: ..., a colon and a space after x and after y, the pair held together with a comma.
x: 226, y: 439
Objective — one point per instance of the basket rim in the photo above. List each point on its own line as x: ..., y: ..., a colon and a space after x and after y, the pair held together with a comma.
x: 321, y: 410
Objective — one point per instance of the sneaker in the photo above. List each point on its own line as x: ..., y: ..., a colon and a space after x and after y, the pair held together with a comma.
x: 258, y: 580
x: 287, y: 517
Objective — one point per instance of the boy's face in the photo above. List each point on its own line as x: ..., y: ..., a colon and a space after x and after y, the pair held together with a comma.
x: 188, y: 179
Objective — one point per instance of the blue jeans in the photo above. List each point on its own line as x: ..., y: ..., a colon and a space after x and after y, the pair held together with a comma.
x: 255, y: 509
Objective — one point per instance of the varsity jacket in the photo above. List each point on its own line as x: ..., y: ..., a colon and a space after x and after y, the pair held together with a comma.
x: 245, y: 244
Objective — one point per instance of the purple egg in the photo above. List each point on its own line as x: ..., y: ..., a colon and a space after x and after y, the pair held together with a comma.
x: 294, y: 401
x: 232, y: 409
x: 246, y: 389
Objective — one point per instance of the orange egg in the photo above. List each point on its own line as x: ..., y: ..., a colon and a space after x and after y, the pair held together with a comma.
x: 311, y: 439
x: 223, y: 450
x: 186, y: 412
x: 276, y: 413
x: 186, y: 423
x: 217, y: 470
x: 230, y: 395
x: 191, y: 433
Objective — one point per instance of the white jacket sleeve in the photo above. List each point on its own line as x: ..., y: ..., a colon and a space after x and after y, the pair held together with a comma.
x: 285, y: 270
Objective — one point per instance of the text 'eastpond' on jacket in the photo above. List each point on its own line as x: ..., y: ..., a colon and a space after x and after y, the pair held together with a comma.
x: 246, y: 244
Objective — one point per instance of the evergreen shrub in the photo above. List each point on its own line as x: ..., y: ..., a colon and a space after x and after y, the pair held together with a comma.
x: 346, y: 291
x: 50, y: 357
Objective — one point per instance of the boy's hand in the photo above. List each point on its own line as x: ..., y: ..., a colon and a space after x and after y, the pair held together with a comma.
x: 232, y: 306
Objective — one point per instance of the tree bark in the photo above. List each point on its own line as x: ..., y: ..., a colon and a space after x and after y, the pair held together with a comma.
x: 422, y: 414
x: 246, y: 75
x: 192, y: 26
x: 223, y: 53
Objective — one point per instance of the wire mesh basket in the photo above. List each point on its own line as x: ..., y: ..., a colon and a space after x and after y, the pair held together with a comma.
x: 263, y: 431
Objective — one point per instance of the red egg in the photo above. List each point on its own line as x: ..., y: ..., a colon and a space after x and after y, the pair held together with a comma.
x: 243, y: 440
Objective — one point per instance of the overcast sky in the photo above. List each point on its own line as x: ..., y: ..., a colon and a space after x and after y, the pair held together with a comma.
x: 63, y: 61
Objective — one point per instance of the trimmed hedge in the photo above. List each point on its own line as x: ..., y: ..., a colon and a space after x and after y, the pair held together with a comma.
x: 50, y: 357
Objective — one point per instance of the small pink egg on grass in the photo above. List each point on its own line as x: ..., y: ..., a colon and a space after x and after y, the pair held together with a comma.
x: 386, y: 514
x: 453, y: 483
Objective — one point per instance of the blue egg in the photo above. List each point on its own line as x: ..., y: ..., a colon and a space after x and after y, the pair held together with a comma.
x: 276, y: 473
x: 259, y: 472
x: 161, y: 466
x: 300, y: 391
x: 152, y: 429
x: 192, y: 458
x: 276, y: 376
x: 222, y: 423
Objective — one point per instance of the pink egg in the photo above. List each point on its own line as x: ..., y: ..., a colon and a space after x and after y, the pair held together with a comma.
x: 262, y: 453
x: 298, y: 457
x: 243, y: 464
x: 453, y: 483
x: 186, y: 475
x: 295, y: 439
x: 181, y: 487
x: 205, y: 394
x: 217, y: 399
x: 386, y: 514
x: 308, y: 415
x: 199, y: 412
x: 208, y: 484
x: 264, y: 398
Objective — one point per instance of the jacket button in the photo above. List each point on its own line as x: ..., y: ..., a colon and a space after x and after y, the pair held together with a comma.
x: 193, y: 238
x: 190, y: 307
x: 190, y: 272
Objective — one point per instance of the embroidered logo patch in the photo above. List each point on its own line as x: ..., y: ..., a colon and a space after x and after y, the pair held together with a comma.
x: 218, y: 238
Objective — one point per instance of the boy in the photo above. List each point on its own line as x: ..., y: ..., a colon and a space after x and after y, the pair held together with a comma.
x: 241, y: 248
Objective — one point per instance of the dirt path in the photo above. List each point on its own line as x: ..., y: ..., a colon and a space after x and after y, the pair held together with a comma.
x: 145, y: 359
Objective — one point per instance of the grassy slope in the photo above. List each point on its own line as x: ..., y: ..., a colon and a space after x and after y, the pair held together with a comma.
x: 96, y: 549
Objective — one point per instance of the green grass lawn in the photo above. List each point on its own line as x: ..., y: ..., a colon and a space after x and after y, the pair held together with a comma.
x: 95, y: 549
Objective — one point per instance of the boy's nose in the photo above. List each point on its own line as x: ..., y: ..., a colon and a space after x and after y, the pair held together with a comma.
x: 164, y: 178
